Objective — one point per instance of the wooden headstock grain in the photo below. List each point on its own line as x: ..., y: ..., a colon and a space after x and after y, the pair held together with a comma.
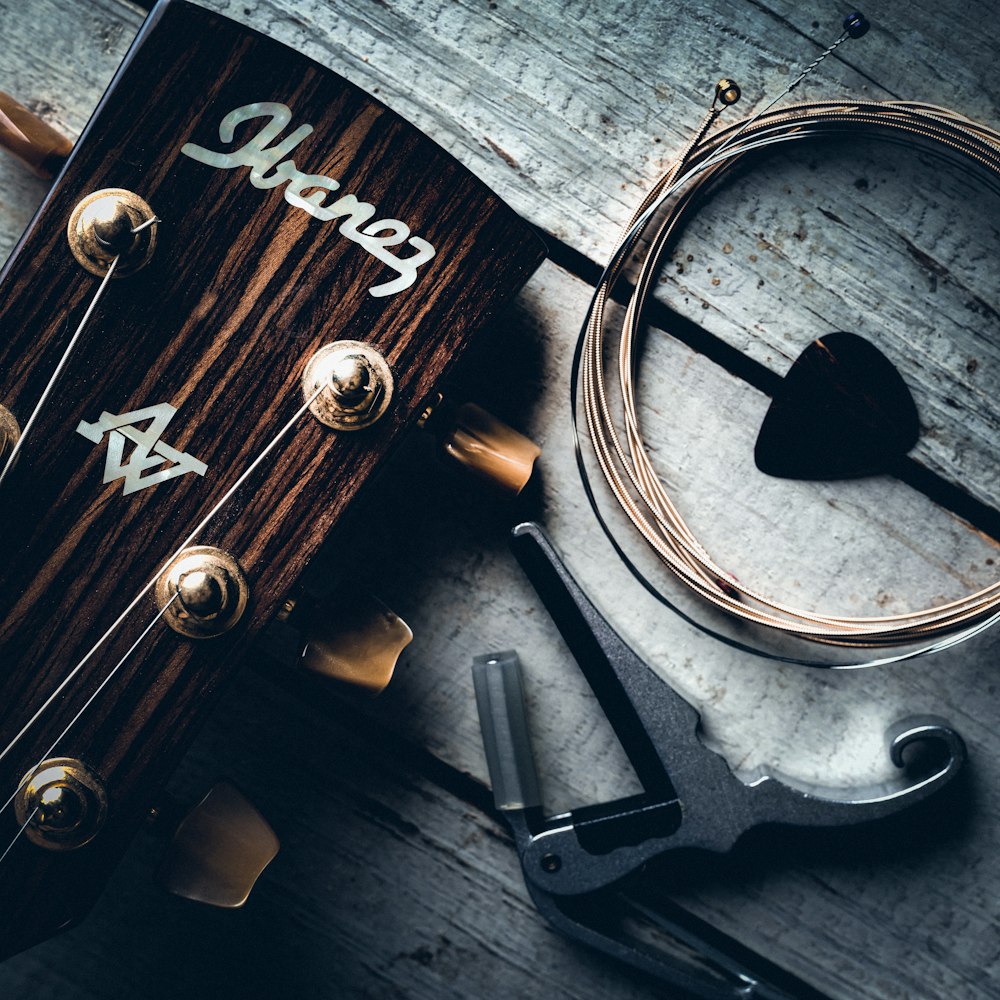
x: 244, y: 286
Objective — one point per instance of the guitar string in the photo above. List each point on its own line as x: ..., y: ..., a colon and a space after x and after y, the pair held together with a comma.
x: 47, y: 391
x: 299, y: 413
x: 63, y: 361
x: 690, y: 562
x: 20, y: 833
x: 212, y: 513
x: 107, y: 680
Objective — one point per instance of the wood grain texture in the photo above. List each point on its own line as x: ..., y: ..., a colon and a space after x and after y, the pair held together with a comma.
x: 567, y: 130
x: 558, y: 106
x: 241, y: 292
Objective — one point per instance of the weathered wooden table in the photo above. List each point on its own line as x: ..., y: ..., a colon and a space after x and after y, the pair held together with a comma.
x: 395, y: 877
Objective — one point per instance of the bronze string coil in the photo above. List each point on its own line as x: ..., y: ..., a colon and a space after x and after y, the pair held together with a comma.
x: 625, y: 463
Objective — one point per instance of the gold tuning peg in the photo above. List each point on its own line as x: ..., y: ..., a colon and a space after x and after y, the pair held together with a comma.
x: 35, y: 143
x: 352, y: 638
x: 218, y: 850
x: 484, y: 445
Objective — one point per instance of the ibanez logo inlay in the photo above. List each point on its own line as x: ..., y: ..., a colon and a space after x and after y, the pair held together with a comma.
x: 269, y: 168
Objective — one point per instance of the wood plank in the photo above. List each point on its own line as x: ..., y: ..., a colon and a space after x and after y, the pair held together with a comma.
x: 609, y: 111
x: 368, y: 897
x: 508, y: 79
x: 826, y: 728
x: 577, y: 192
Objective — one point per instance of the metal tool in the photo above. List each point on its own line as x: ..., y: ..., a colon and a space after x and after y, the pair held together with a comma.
x: 575, y: 863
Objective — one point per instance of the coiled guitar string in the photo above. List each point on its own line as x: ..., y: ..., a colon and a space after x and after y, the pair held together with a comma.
x: 626, y: 465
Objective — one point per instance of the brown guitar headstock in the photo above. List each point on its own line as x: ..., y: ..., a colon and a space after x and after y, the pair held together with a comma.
x: 295, y: 270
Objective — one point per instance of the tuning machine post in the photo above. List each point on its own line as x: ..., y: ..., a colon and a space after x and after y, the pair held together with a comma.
x: 112, y: 226
x: 203, y: 592
x: 482, y: 444
x: 349, y: 385
x: 61, y: 804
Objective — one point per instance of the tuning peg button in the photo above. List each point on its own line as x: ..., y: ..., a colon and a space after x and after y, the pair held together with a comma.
x: 35, y: 143
x: 487, y: 447
x: 9, y: 433
x: 218, y: 850
x: 355, y: 639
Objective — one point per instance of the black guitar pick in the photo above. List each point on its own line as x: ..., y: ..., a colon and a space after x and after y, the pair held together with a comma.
x: 842, y: 411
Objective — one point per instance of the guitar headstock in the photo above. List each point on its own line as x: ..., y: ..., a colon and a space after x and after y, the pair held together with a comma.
x: 295, y: 270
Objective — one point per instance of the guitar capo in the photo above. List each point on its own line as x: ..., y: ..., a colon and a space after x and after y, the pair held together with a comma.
x: 575, y: 864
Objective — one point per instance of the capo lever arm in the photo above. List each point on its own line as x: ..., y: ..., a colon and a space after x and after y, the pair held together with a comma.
x: 691, y: 797
x: 575, y: 863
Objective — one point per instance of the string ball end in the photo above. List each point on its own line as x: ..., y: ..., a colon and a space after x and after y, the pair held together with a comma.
x: 856, y: 24
x: 727, y: 92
